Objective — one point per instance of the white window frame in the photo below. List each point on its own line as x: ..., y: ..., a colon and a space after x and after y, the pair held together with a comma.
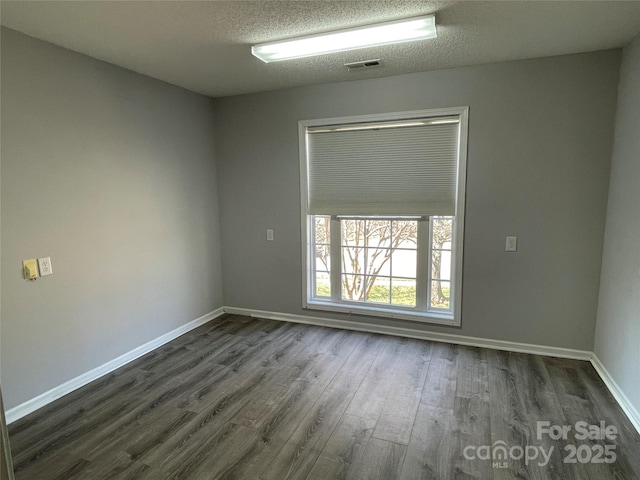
x: 335, y: 304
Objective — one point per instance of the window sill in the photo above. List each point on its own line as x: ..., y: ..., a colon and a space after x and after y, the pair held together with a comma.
x: 423, y: 317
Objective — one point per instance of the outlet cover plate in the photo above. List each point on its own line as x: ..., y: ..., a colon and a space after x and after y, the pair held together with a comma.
x: 44, y: 265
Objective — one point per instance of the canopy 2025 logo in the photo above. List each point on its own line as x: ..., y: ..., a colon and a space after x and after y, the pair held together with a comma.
x: 500, y: 453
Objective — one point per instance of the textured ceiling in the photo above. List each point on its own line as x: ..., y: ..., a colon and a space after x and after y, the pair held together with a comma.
x: 205, y: 46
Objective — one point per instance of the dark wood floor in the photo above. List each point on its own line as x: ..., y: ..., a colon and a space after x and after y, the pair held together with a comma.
x: 242, y: 398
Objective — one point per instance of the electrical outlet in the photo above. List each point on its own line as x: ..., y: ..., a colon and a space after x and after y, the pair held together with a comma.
x: 44, y: 265
x: 270, y: 234
x: 512, y: 244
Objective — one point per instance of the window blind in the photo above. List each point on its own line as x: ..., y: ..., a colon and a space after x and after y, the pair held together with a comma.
x: 407, y: 167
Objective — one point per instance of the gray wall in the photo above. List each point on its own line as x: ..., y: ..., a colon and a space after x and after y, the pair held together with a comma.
x: 618, y: 328
x: 540, y: 139
x: 112, y: 174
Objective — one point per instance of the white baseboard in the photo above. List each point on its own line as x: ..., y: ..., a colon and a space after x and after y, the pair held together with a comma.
x: 618, y: 394
x: 415, y: 333
x: 47, y: 397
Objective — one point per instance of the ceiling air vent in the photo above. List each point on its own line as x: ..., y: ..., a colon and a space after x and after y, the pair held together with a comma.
x: 363, y: 64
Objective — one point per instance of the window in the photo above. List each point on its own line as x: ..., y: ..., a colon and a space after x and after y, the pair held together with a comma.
x: 383, y: 206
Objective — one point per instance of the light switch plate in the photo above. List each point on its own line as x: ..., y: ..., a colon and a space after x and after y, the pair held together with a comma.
x: 512, y: 244
x: 270, y: 234
x: 44, y: 265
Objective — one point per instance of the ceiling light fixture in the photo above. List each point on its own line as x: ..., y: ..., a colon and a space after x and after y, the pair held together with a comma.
x: 399, y: 31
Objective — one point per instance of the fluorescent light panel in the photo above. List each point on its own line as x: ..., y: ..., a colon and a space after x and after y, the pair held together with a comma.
x: 399, y: 31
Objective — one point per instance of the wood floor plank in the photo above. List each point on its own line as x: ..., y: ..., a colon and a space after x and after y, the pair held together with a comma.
x: 118, y: 427
x: 412, y: 367
x: 271, y: 432
x: 288, y: 348
x: 234, y: 372
x: 305, y: 403
x: 58, y: 464
x: 116, y: 464
x: 380, y: 460
x: 441, y: 382
x: 297, y: 457
x: 214, y: 418
x: 396, y: 419
x: 533, y: 384
x: 206, y: 456
x: 471, y: 427
x: 367, y: 347
x: 144, y: 439
x: 401, y: 403
x: 279, y: 402
x: 30, y: 434
x: 472, y: 380
x: 368, y: 402
x: 430, y: 452
x: 80, y: 431
x: 343, y: 450
x: 279, y: 425
x: 508, y: 420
